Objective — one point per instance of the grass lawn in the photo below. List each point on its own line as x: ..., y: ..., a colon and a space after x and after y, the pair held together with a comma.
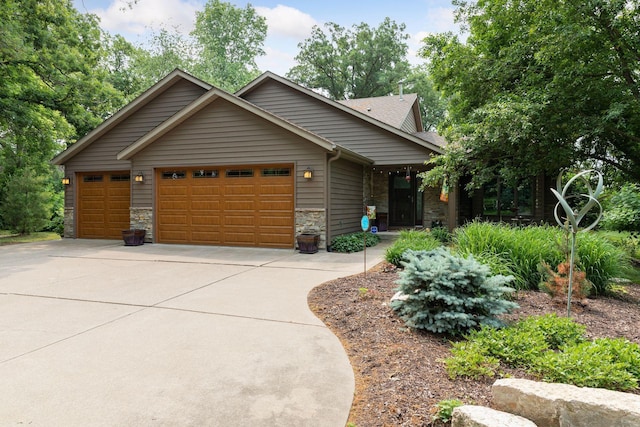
x: 9, y: 238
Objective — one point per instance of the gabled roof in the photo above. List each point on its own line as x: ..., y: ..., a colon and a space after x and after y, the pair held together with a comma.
x: 126, y: 111
x: 393, y: 109
x: 214, y: 94
x: 271, y: 76
x: 432, y: 137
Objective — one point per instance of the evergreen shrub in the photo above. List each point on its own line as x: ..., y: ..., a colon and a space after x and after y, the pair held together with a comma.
x: 448, y: 294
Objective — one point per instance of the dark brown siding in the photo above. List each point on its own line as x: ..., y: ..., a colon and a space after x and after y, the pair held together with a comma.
x: 101, y: 154
x: 224, y: 134
x: 346, y: 197
x: 340, y: 127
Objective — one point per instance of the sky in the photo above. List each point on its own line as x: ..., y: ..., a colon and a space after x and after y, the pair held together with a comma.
x: 289, y: 21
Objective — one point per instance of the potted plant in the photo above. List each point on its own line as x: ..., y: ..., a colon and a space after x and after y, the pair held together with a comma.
x: 308, y: 243
x: 133, y: 237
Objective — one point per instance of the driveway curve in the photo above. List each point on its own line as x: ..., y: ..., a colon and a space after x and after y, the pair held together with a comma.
x: 94, y: 333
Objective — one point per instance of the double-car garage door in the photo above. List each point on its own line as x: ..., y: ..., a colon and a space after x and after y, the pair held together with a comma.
x: 234, y: 206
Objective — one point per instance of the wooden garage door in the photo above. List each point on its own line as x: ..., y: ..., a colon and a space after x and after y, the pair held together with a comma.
x: 103, y: 204
x: 234, y: 206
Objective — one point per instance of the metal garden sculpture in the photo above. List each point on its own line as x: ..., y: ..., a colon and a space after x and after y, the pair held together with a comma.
x: 571, y: 223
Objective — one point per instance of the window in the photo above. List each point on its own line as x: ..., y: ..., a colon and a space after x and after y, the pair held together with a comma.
x: 276, y: 172
x: 122, y: 177
x: 502, y: 200
x: 174, y: 175
x: 239, y: 173
x: 205, y: 173
x: 92, y: 178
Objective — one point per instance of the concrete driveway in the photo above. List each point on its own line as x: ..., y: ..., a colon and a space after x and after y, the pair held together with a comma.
x: 94, y: 333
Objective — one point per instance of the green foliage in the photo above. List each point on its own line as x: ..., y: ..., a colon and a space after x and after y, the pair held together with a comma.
x: 553, y: 348
x: 410, y: 239
x: 445, y: 409
x: 524, y: 249
x: 353, y: 63
x: 353, y: 242
x: 442, y: 234
x: 228, y: 39
x: 432, y: 106
x: 448, y: 294
x: 516, y: 88
x: 470, y: 359
x: 603, y: 363
x: 622, y: 210
x: 27, y: 206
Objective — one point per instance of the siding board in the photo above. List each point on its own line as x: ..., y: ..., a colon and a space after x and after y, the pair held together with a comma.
x: 342, y: 128
x: 346, y: 197
x: 101, y: 154
x: 224, y: 134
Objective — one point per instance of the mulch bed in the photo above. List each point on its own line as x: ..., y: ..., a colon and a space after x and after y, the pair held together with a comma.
x: 400, y: 373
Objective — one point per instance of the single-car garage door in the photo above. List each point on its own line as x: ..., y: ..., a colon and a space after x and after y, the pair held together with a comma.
x: 234, y: 206
x: 103, y: 204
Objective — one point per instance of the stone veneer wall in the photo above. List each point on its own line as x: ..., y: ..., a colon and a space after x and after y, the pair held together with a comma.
x: 432, y: 208
x: 312, y: 220
x: 69, y: 223
x: 142, y: 219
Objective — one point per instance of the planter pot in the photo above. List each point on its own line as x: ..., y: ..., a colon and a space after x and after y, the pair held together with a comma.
x: 308, y: 243
x: 133, y: 237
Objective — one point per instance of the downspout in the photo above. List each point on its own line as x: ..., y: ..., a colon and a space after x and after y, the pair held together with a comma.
x: 328, y: 187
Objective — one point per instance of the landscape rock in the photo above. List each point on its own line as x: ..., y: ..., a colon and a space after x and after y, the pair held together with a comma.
x: 564, y: 405
x: 480, y: 416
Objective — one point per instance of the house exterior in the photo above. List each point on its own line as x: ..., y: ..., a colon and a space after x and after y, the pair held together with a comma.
x: 191, y: 163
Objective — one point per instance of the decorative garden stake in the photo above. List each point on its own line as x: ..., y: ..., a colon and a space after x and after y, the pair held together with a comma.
x: 571, y: 222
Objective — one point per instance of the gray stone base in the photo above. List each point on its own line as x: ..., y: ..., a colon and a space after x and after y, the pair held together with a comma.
x: 142, y: 219
x: 313, y: 221
x: 69, y: 223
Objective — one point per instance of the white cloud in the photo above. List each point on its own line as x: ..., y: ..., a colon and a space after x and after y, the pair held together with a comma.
x: 276, y: 61
x: 285, y: 21
x: 147, y: 14
x: 440, y: 20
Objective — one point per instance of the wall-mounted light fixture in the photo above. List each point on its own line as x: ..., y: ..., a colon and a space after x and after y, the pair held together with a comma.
x: 308, y: 173
x: 139, y: 177
x: 66, y: 180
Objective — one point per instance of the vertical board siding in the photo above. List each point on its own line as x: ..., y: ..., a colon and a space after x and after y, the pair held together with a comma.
x: 101, y: 154
x: 409, y: 124
x: 338, y: 126
x: 225, y: 134
x: 346, y: 194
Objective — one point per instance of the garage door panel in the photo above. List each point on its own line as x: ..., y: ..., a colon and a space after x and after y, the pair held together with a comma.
x: 227, y: 207
x: 103, y: 204
x: 167, y: 219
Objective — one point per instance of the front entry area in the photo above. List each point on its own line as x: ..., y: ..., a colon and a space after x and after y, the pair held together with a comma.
x: 228, y: 205
x: 405, y: 201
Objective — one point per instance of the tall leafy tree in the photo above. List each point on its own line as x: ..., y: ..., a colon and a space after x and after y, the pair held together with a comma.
x: 540, y: 85
x: 228, y: 40
x: 433, y: 107
x: 51, y: 85
x: 353, y: 63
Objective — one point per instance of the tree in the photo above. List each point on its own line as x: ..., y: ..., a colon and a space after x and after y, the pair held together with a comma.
x: 357, y: 63
x: 52, y: 87
x: 228, y: 41
x: 432, y: 105
x: 26, y: 207
x: 539, y: 85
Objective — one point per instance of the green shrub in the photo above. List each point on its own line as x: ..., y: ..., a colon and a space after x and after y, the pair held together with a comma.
x: 598, y: 364
x: 525, y: 248
x: 27, y: 202
x: 353, y: 242
x: 470, y: 359
x: 410, y: 240
x: 553, y: 348
x: 622, y: 210
x: 444, y: 293
x: 441, y: 234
